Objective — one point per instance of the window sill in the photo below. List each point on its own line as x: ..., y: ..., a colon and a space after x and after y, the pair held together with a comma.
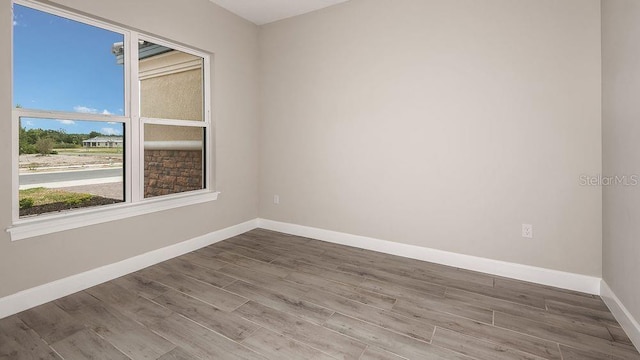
x: 47, y: 224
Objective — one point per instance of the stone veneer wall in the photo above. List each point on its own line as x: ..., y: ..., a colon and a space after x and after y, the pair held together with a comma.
x: 172, y: 171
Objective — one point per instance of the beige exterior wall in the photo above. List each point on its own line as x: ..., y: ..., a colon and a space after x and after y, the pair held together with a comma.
x: 439, y: 123
x: 173, y: 96
x: 621, y: 149
x: 171, y: 88
x: 202, y: 25
x: 154, y: 132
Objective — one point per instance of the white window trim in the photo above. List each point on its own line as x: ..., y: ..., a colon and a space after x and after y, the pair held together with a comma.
x: 135, y: 203
x: 47, y: 224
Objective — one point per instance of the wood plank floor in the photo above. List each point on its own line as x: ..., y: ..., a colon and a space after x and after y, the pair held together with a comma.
x: 266, y: 295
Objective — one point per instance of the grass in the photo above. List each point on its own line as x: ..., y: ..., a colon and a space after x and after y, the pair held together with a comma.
x: 43, y: 196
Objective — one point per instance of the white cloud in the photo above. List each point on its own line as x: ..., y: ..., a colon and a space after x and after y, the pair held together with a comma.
x: 67, y: 122
x: 109, y: 131
x: 112, y: 123
x: 85, y: 110
x: 15, y: 23
x: 88, y: 110
x: 28, y: 122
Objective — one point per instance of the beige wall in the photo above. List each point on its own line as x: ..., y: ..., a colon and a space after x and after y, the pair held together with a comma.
x: 439, y: 123
x: 174, y: 96
x: 154, y: 132
x: 170, y: 94
x: 31, y: 262
x: 621, y: 148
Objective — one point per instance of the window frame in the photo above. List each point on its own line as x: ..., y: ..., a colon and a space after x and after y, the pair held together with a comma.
x: 134, y: 201
x: 143, y: 120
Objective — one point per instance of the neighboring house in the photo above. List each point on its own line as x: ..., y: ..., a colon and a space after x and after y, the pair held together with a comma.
x: 103, y: 142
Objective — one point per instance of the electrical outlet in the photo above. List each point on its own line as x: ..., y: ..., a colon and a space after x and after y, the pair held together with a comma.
x: 527, y: 231
x: 276, y: 199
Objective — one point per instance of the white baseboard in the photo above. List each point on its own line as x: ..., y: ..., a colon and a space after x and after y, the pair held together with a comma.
x: 620, y: 312
x: 565, y: 280
x: 39, y: 295
x: 29, y: 298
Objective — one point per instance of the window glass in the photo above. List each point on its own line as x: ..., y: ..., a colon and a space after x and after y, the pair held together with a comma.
x: 171, y: 83
x: 173, y: 159
x: 70, y: 110
x: 65, y: 164
x: 65, y: 65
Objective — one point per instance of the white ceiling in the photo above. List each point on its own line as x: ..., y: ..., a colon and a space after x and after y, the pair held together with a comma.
x: 265, y: 11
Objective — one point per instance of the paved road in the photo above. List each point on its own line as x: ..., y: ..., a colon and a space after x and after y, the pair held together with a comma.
x: 67, y: 176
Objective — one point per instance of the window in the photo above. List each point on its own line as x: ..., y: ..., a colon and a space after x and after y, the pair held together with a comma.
x: 174, y: 132
x: 104, y: 118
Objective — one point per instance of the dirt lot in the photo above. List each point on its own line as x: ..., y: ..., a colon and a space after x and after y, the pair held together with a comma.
x: 104, y: 193
x: 111, y: 190
x: 60, y: 206
x: 63, y: 161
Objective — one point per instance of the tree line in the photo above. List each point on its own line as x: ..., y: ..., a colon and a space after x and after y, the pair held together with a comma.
x: 39, y: 141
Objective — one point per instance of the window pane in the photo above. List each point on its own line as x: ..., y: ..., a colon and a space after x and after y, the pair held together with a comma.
x: 173, y: 159
x: 64, y: 65
x: 171, y: 83
x: 68, y: 164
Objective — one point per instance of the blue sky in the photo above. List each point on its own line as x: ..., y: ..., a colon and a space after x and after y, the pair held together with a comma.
x: 64, y: 65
